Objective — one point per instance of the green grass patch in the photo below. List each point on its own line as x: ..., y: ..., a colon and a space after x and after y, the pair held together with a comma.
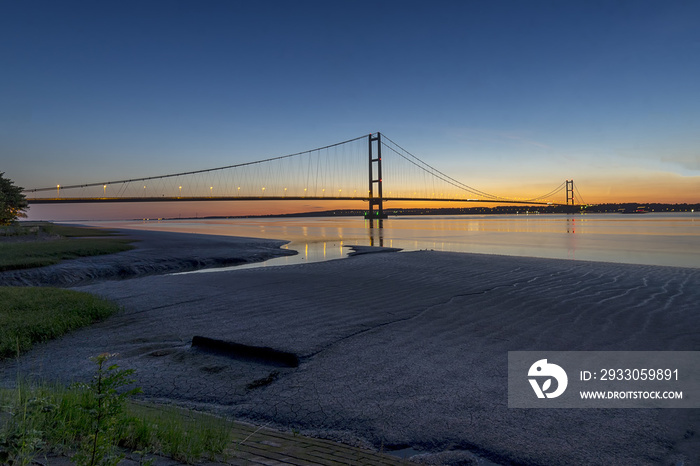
x: 181, y: 434
x: 45, y: 419
x: 24, y: 255
x: 27, y: 230
x: 30, y: 315
x: 71, y: 231
x: 37, y: 244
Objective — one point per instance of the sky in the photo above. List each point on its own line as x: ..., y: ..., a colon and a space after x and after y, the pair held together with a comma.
x: 510, y: 97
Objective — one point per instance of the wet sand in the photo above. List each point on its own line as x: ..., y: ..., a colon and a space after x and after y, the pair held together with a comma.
x: 401, y: 349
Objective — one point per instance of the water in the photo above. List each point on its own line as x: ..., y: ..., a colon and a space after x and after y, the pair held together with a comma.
x: 654, y: 239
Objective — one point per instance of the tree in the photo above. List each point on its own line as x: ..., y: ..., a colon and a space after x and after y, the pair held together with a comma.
x: 12, y: 202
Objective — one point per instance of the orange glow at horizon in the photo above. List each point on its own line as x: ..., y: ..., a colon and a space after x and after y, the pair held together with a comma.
x: 198, y: 209
x: 644, y: 189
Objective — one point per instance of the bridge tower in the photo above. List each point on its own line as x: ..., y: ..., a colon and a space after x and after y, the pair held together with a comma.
x: 375, y: 169
x: 570, y: 192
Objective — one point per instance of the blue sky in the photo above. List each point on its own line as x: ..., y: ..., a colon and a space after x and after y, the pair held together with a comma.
x: 506, y: 96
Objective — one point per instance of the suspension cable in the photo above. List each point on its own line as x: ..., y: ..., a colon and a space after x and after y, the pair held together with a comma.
x: 579, y: 195
x: 445, y: 178
x: 549, y: 194
x: 435, y: 170
x: 271, y: 159
x: 459, y: 184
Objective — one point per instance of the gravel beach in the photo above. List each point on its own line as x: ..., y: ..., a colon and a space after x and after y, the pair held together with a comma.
x: 395, y: 350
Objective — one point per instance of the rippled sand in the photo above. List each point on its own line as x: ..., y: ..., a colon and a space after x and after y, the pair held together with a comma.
x: 402, y: 349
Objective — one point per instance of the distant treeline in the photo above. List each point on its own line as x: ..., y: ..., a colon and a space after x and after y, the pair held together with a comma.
x: 637, y: 207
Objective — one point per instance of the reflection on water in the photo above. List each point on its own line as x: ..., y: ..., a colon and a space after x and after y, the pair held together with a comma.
x: 376, y: 232
x: 656, y: 239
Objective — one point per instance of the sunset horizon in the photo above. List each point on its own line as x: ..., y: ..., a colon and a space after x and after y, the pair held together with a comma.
x: 511, y: 99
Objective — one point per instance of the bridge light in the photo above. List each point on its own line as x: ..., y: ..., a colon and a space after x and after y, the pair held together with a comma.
x: 104, y: 190
x: 58, y: 190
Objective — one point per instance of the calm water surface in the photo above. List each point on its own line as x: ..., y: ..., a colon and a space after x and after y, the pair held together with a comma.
x: 655, y: 239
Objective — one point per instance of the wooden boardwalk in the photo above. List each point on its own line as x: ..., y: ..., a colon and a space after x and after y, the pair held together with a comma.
x: 268, y: 447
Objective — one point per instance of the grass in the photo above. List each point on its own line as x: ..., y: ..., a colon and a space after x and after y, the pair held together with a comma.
x: 39, y: 229
x: 23, y: 255
x: 38, y: 244
x: 43, y: 419
x: 30, y: 315
x: 181, y: 434
x: 70, y: 231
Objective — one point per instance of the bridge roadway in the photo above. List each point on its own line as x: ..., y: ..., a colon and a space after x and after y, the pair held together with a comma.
x: 86, y: 200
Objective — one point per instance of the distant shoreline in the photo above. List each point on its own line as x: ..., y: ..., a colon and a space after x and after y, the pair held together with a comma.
x: 500, y: 210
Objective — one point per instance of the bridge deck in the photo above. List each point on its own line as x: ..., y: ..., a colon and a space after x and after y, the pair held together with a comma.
x: 86, y: 200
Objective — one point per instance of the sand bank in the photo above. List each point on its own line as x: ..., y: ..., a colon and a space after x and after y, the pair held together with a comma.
x: 156, y: 253
x: 402, y: 349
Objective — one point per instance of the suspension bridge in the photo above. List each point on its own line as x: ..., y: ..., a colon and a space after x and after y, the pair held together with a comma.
x: 370, y: 168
